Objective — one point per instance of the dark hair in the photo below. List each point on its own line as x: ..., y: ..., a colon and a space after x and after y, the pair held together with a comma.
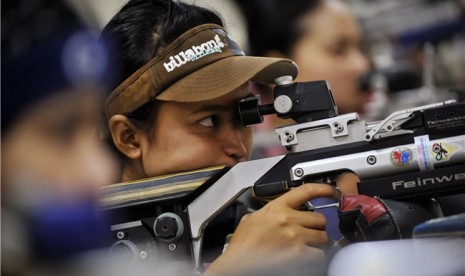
x: 273, y: 24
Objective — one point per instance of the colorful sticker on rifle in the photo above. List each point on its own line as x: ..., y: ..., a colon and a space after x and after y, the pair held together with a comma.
x: 442, y: 151
x: 401, y: 156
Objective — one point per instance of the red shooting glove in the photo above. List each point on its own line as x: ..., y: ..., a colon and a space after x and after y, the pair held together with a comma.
x: 364, y: 218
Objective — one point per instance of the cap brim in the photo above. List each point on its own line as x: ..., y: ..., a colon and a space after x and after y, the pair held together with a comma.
x: 226, y: 75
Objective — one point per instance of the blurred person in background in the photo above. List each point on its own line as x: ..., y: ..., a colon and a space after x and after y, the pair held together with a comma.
x: 324, y: 39
x: 322, y: 36
x: 53, y: 161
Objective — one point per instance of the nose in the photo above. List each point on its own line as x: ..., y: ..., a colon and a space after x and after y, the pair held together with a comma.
x: 359, y: 62
x: 234, y: 144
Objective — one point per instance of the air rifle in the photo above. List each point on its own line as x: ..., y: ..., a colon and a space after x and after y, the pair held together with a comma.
x: 413, y: 153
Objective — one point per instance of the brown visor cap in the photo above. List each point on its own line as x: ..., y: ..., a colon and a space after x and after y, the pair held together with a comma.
x: 202, y: 64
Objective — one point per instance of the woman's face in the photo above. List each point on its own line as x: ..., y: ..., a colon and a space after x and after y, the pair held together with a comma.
x: 55, y: 148
x: 330, y: 50
x: 189, y: 136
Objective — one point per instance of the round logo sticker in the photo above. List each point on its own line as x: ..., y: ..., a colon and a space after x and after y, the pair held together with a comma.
x: 401, y: 156
x: 442, y: 151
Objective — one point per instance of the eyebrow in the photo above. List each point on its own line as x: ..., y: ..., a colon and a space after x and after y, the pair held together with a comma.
x: 215, y: 107
x: 210, y: 108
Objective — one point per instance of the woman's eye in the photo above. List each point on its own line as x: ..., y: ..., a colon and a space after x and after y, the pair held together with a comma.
x: 209, y: 121
x: 339, y: 47
x: 339, y: 50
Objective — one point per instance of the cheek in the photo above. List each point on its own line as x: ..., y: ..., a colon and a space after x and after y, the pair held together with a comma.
x: 247, y: 138
x: 314, y: 64
x: 97, y: 166
x: 179, y: 153
x: 329, y: 68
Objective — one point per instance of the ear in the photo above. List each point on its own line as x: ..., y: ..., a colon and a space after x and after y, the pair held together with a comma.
x: 126, y: 136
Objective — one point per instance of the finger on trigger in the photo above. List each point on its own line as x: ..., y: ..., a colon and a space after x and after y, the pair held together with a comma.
x: 299, y: 195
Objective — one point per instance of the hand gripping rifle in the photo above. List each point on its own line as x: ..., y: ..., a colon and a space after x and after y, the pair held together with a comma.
x: 413, y: 153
